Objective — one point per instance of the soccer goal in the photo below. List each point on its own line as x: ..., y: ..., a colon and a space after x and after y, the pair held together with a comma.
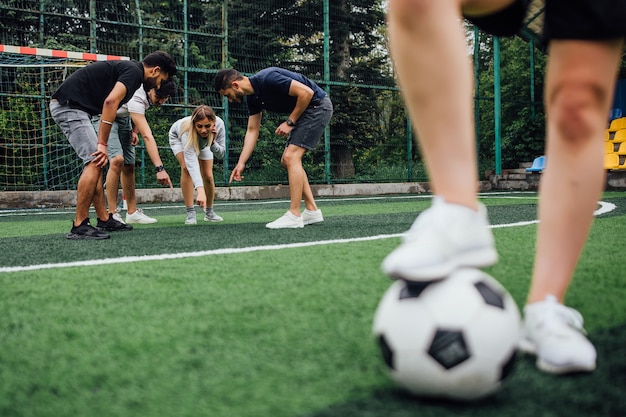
x: 34, y: 153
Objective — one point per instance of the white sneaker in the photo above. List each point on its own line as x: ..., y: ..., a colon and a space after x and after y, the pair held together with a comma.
x: 139, y: 217
x: 212, y: 217
x: 443, y: 238
x: 287, y: 221
x: 555, y: 334
x: 312, y: 216
x: 118, y: 217
x: 191, y: 218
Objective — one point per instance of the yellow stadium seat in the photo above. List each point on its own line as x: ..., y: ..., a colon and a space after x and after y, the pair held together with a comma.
x: 613, y: 161
x: 617, y: 124
x: 620, y: 136
x: 620, y: 149
x: 609, y: 147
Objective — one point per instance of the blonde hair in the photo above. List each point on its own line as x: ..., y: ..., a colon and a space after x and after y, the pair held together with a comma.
x: 200, y: 112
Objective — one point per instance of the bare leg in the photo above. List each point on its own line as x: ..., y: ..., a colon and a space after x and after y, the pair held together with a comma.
x: 298, y: 182
x: 206, y: 168
x: 580, y: 82
x: 128, y: 188
x: 87, y: 190
x: 113, y: 181
x: 186, y: 185
x: 430, y: 53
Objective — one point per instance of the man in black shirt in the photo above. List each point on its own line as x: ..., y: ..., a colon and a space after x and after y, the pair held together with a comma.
x: 100, y: 88
x: 309, y: 110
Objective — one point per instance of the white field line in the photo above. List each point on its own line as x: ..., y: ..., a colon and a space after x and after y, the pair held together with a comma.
x: 604, y: 208
x: 502, y: 194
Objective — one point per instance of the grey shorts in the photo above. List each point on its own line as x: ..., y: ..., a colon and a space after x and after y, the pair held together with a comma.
x: 310, y: 126
x: 119, y: 138
x: 76, y: 126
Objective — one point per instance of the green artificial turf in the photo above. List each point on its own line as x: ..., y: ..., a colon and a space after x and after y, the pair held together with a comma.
x: 274, y: 332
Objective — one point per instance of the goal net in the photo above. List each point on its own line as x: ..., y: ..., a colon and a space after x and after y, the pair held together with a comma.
x: 34, y: 153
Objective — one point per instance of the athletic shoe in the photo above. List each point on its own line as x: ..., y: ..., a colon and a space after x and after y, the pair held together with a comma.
x: 287, y: 221
x: 312, y: 216
x: 212, y: 217
x: 118, y: 217
x: 191, y: 218
x: 86, y: 231
x: 112, y: 225
x: 556, y: 335
x: 139, y: 217
x: 443, y: 238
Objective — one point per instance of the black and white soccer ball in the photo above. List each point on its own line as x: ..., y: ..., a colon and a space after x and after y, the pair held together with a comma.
x: 456, y: 338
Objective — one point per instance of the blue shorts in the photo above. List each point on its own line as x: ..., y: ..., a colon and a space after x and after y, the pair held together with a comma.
x: 76, y: 126
x: 310, y: 126
x: 119, y: 139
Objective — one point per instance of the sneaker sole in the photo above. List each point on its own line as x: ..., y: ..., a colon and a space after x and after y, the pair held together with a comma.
x: 528, y: 347
x: 108, y: 229
x: 213, y: 220
x: 475, y: 259
x: 141, y: 222
x: 313, y: 221
x: 285, y: 227
x: 75, y: 236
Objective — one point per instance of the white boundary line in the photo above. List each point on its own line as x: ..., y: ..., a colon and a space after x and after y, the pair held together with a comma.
x: 604, y: 208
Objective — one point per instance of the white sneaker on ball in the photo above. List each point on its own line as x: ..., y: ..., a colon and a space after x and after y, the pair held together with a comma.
x: 556, y: 335
x: 443, y: 238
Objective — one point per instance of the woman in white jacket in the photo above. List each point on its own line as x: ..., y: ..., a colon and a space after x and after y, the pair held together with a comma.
x: 195, y: 140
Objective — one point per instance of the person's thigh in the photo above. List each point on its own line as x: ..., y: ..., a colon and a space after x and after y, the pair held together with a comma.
x: 76, y: 126
x: 310, y: 126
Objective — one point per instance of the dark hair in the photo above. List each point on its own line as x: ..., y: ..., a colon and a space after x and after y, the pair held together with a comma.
x: 168, y: 88
x: 161, y: 59
x: 225, y: 77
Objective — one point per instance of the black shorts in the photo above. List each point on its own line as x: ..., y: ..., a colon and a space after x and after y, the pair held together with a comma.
x: 563, y: 19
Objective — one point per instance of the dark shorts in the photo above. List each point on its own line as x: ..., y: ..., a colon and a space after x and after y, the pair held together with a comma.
x: 120, y: 139
x: 310, y: 126
x: 563, y: 19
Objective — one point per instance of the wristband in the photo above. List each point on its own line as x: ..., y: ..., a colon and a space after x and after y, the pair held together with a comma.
x: 290, y: 122
x: 107, y: 122
x: 103, y: 144
x: 159, y: 168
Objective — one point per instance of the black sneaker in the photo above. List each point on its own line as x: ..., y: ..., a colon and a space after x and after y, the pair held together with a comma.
x: 113, y: 225
x: 86, y: 231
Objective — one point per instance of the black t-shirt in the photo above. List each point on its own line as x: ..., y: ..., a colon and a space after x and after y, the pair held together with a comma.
x: 87, y: 88
x: 271, y: 90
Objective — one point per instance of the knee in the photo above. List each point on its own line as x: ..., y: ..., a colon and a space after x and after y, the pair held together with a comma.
x: 575, y: 108
x: 117, y: 162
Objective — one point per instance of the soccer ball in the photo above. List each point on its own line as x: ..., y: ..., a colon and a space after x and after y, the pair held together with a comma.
x: 455, y: 338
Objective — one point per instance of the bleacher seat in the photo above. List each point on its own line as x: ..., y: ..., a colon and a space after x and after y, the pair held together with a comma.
x: 609, y: 147
x: 617, y: 124
x: 613, y: 162
x: 620, y: 136
x: 539, y: 164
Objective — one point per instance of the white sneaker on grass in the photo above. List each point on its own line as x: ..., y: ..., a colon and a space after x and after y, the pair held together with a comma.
x: 312, y: 216
x: 286, y: 221
x: 139, y: 217
x: 117, y: 216
x: 191, y: 218
x: 212, y: 217
x: 556, y: 335
x: 443, y: 238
